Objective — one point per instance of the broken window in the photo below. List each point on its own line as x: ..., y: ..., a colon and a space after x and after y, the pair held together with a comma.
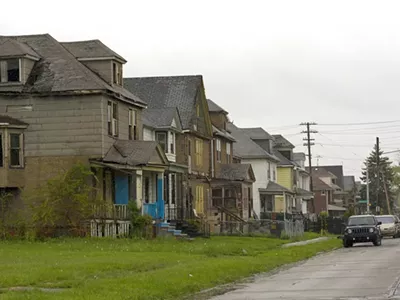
x: 10, y: 70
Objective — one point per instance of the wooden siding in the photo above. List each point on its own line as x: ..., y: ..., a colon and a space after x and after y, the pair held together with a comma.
x: 218, y: 120
x: 103, y: 68
x: 285, y: 177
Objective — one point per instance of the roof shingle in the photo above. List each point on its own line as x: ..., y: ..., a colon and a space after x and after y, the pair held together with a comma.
x: 214, y: 107
x: 171, y: 91
x: 159, y: 117
x: 257, y: 133
x: 11, y: 121
x: 236, y: 172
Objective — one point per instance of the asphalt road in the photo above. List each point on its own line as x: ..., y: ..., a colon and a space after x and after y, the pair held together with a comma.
x: 361, y: 272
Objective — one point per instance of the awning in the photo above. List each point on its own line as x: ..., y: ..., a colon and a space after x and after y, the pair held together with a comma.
x: 274, y: 189
x: 336, y: 208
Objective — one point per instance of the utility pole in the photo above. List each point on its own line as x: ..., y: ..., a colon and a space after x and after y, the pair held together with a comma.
x: 377, y: 173
x: 309, y: 143
x: 367, y: 190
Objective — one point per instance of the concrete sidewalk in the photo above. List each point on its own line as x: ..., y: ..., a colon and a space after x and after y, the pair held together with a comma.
x: 320, y: 239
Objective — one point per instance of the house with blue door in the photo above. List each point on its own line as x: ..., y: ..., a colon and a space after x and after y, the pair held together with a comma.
x: 164, y: 126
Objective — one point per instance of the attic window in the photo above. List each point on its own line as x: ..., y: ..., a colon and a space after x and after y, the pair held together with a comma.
x: 117, y: 73
x: 10, y: 70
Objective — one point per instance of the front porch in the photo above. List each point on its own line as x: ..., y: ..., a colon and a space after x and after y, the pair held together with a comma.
x: 276, y: 199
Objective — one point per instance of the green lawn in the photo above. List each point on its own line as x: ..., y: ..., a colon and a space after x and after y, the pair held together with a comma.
x: 129, y: 269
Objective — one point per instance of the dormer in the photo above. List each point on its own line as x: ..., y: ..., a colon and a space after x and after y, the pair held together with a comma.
x: 16, y: 62
x: 283, y: 146
x: 99, y: 58
x: 219, y: 116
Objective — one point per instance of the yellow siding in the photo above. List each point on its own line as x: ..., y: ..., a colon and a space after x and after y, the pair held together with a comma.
x: 200, y: 199
x: 285, y: 177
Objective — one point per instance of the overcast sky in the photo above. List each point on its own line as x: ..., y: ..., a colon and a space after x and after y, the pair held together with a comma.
x: 272, y: 64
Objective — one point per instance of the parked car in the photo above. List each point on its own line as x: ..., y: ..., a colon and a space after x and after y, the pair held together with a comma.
x: 362, y: 229
x: 390, y: 225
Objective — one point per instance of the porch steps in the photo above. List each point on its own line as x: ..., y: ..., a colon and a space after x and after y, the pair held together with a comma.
x: 167, y: 229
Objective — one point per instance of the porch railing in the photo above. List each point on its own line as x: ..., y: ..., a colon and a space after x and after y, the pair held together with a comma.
x: 114, y: 211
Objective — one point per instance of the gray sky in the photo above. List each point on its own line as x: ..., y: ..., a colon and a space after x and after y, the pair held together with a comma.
x: 269, y: 63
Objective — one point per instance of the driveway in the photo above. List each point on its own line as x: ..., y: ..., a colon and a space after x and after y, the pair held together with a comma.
x: 360, y: 272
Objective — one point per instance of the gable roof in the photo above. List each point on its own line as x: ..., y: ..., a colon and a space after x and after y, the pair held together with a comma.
x: 236, y: 172
x: 58, y: 71
x: 12, y: 48
x: 170, y: 91
x: 7, y: 120
x: 283, y: 161
x: 337, y: 170
x: 319, y: 185
x: 223, y: 133
x: 274, y: 188
x: 213, y: 107
x: 161, y: 118
x: 245, y: 147
x: 320, y: 172
x: 134, y: 153
x: 257, y: 133
x: 90, y: 49
x: 281, y: 142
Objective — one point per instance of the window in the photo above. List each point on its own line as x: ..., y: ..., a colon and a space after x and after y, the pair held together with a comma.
x: 161, y: 138
x: 228, y: 152
x: 146, y: 189
x: 1, y: 151
x: 323, y: 193
x: 189, y: 147
x: 274, y: 174
x: 199, y: 152
x: 269, y: 171
x: 218, y: 142
x: 10, y: 70
x: 132, y: 124
x: 15, y: 150
x: 112, y: 118
x: 173, y: 188
x: 172, y: 143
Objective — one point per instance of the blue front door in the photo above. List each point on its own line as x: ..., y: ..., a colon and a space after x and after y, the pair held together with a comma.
x: 121, y: 189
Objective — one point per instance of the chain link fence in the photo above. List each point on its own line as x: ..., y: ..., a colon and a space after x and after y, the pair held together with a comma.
x: 281, y: 229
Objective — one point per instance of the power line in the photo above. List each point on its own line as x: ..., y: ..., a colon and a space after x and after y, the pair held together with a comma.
x: 357, y: 124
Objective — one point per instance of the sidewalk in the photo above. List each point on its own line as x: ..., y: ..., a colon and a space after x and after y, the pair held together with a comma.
x: 320, y: 239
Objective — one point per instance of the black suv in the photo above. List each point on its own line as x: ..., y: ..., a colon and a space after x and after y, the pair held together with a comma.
x: 362, y: 229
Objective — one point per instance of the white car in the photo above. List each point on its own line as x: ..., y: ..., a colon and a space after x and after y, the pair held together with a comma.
x: 390, y: 225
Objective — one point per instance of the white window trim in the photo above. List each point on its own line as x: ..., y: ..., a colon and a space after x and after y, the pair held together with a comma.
x: 166, y: 146
x: 172, y: 143
x: 4, y: 71
x: 132, y: 121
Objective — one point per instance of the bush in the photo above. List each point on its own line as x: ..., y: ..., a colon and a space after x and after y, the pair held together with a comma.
x: 141, y: 224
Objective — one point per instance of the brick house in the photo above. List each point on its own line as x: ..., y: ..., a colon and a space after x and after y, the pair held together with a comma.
x: 61, y: 103
x: 187, y: 95
x: 231, y: 182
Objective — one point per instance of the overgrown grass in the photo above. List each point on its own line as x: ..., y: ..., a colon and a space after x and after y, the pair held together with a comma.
x: 129, y: 269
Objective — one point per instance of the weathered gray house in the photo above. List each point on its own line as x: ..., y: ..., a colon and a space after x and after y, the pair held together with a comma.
x: 65, y: 102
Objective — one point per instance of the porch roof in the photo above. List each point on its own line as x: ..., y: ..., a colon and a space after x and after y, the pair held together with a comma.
x: 236, y: 172
x: 304, y: 193
x: 136, y: 153
x: 274, y: 189
x: 336, y: 208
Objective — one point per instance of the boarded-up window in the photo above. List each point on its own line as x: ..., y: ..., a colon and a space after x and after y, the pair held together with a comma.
x: 199, y: 199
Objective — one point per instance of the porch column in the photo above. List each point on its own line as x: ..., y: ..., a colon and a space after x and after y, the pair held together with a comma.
x: 139, y: 189
x: 160, y: 196
x: 284, y: 206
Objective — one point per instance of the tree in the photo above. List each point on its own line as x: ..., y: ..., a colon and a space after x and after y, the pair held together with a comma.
x: 382, y: 176
x: 66, y: 200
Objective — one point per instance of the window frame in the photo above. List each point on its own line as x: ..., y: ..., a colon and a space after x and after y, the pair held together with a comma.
x: 228, y: 152
x: 218, y: 149
x: 4, y: 70
x: 1, y: 150
x: 172, y: 143
x: 132, y: 124
x: 199, y: 152
x: 165, y: 147
x: 20, y: 150
x: 112, y: 118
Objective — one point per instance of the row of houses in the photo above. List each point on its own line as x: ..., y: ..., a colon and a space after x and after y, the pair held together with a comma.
x: 158, y: 141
